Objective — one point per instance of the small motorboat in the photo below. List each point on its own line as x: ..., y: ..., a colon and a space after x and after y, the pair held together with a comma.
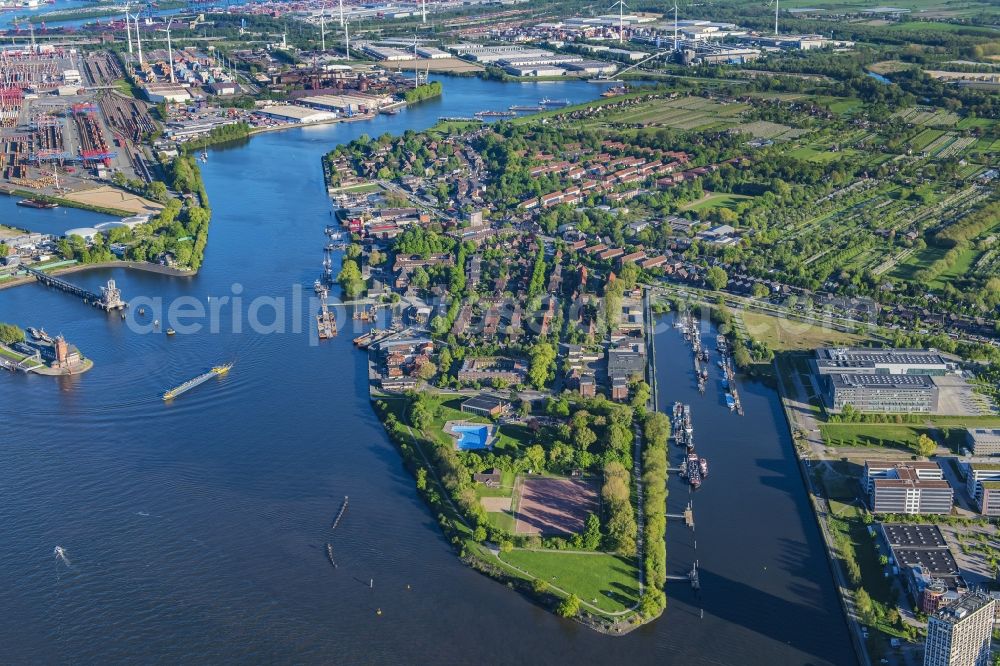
x: 171, y: 331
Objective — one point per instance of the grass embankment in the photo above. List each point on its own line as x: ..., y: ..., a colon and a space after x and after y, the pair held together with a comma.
x: 874, y: 594
x: 781, y: 334
x: 423, y: 92
x: 950, y: 433
x: 604, y: 580
x: 217, y: 135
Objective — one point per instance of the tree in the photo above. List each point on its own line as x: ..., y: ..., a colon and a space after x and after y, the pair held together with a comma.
x: 866, y: 609
x: 445, y: 360
x: 536, y: 457
x: 539, y: 586
x: 592, y: 533
x: 4, y: 250
x: 157, y: 190
x: 543, y: 359
x: 569, y: 607
x: 10, y: 334
x: 652, y: 603
x: 479, y: 534
x: 657, y: 429
x: 717, y: 278
x: 583, y: 437
x: 760, y: 290
x: 350, y: 278
x: 619, y: 437
x: 613, y: 303
x: 421, y: 478
x: 420, y: 278
x: 925, y: 446
x: 622, y: 530
x: 427, y: 371
x: 629, y: 276
x: 742, y: 356
x: 439, y: 325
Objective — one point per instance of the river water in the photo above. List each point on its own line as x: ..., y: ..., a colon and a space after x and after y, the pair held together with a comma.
x: 195, y: 531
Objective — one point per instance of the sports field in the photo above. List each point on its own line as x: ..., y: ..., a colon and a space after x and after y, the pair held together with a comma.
x: 551, y: 505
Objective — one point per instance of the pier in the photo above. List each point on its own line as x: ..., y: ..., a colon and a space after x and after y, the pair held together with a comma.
x: 326, y: 322
x: 690, y: 577
x: 109, y: 299
x: 340, y: 514
x: 729, y: 374
x: 687, y: 516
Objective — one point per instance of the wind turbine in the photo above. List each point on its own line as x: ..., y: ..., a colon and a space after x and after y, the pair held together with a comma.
x: 138, y: 40
x: 675, y: 27
x: 621, y: 19
x: 347, y: 41
x: 128, y: 30
x: 776, y: 2
x: 322, y: 28
x: 341, y: 13
x: 423, y: 7
x: 170, y: 51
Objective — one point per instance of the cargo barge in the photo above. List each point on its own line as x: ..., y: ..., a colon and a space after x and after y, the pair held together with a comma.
x: 34, y: 203
x: 217, y: 371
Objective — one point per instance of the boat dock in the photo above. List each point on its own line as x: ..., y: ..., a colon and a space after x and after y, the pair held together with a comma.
x: 109, y: 299
x: 326, y: 321
x: 340, y: 514
x: 729, y: 376
x: 372, y: 337
x: 689, y: 327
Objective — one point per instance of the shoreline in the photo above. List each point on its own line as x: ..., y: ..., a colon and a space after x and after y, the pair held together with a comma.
x: 818, y: 514
x: 485, y: 557
x: 14, y: 191
x: 80, y: 268
x: 6, y: 361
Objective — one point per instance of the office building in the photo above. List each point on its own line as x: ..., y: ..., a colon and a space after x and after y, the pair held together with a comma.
x: 982, y: 480
x: 907, y: 488
x: 842, y: 361
x: 925, y: 564
x: 959, y: 634
x: 983, y: 441
x: 881, y: 393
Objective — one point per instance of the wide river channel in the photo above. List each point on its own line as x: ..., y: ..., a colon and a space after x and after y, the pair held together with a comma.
x: 195, y: 531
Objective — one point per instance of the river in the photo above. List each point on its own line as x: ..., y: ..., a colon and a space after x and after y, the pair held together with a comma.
x: 195, y: 531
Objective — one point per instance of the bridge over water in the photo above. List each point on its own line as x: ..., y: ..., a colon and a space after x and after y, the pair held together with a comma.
x: 109, y: 299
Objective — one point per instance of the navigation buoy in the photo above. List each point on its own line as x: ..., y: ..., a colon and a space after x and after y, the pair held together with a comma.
x: 378, y: 611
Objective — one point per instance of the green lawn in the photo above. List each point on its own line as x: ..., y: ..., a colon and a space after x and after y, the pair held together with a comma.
x: 501, y: 521
x: 961, y: 268
x: 819, y: 155
x: 916, y: 261
x: 786, y: 334
x: 716, y: 200
x: 610, y: 579
x: 362, y: 188
x: 871, y: 434
x: 11, y: 354
x: 846, y: 105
